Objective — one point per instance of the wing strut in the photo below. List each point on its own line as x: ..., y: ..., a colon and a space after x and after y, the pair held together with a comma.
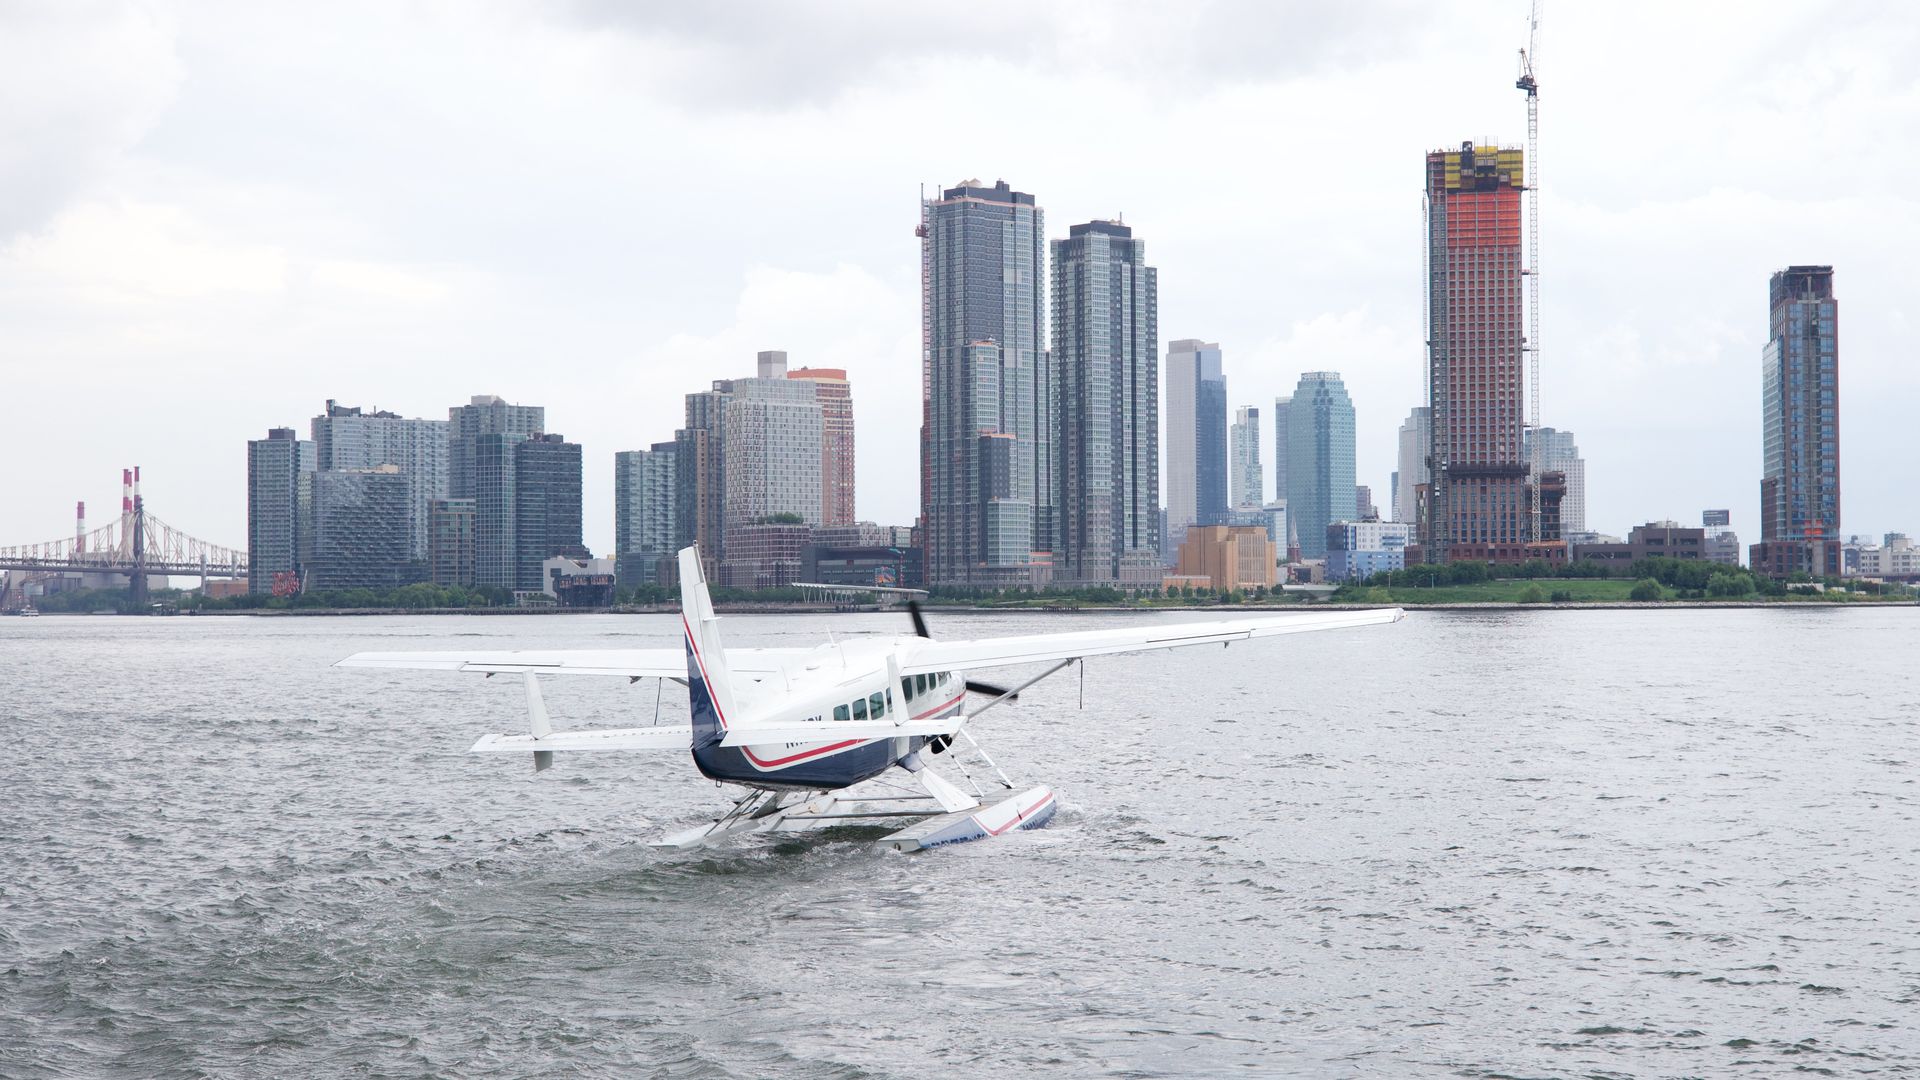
x: 538, y: 725
x: 1009, y: 695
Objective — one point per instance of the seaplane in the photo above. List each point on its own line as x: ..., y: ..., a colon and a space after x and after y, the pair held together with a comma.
x: 842, y: 734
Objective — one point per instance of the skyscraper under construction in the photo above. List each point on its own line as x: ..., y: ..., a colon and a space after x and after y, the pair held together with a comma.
x: 1479, y: 503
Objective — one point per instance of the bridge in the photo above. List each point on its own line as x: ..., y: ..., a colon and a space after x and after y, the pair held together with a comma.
x: 136, y: 544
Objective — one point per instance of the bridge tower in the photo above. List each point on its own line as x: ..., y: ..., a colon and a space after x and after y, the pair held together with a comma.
x: 137, y: 581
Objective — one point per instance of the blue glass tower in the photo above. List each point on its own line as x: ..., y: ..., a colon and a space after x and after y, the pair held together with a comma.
x: 1800, y: 430
x: 1320, y: 467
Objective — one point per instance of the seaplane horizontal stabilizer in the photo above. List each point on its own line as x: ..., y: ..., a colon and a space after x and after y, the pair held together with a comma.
x: 671, y: 737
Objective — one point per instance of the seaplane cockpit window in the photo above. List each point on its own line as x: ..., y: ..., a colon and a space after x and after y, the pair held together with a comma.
x: 860, y: 709
x: 840, y: 712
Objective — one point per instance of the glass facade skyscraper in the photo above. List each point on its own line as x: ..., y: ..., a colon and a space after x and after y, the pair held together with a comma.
x: 644, y: 526
x: 1320, y: 460
x: 984, y: 446
x: 1245, y: 481
x: 1282, y: 409
x: 1411, y: 477
x: 1196, y: 427
x: 491, y: 458
x: 1106, y: 412
x: 1800, y: 426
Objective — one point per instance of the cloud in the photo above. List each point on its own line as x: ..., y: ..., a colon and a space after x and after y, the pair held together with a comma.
x: 224, y: 214
x: 83, y: 83
x: 769, y: 54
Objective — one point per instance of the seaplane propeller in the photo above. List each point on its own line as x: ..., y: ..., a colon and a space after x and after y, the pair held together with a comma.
x: 973, y: 685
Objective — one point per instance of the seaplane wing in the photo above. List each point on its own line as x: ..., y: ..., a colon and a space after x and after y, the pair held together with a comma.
x: 938, y: 655
x: 632, y: 663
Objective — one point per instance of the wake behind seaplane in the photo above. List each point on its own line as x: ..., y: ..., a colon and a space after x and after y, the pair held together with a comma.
x: 814, y: 734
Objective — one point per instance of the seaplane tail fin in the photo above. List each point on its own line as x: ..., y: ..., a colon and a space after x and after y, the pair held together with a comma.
x: 709, y: 686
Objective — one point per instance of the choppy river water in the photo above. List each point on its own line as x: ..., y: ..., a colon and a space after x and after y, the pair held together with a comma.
x: 1479, y: 844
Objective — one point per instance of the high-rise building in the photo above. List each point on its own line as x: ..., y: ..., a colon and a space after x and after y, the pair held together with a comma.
x: 450, y: 542
x: 279, y: 475
x: 491, y: 457
x: 1478, y: 501
x: 984, y: 446
x: 484, y: 414
x: 1363, y: 508
x: 546, y: 506
x: 1559, y: 453
x: 1282, y: 408
x: 1106, y: 419
x: 362, y: 532
x: 1246, y: 486
x: 835, y: 395
x: 700, y: 482
x: 773, y: 433
x: 1320, y: 465
x: 1196, y: 437
x: 644, y: 498
x: 347, y: 437
x: 1800, y: 427
x: 1410, y: 480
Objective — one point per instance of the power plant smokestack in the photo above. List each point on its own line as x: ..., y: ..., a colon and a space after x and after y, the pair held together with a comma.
x: 126, y: 492
x: 79, y: 528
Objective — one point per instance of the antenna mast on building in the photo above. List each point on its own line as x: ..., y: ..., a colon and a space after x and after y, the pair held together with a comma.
x: 1531, y: 340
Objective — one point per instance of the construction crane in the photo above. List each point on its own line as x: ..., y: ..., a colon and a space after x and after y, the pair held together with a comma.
x: 1531, y: 338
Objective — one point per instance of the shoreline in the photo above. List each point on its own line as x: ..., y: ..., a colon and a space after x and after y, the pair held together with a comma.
x: 1247, y: 609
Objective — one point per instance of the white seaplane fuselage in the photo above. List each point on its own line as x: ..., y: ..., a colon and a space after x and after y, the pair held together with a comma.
x: 833, y: 687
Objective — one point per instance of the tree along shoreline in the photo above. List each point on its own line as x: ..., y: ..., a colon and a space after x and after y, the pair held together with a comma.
x: 1649, y: 582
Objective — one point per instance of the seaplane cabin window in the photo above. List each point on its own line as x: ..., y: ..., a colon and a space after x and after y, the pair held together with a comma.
x: 860, y: 709
x: 920, y: 684
x: 906, y: 686
x: 840, y: 712
x: 877, y: 705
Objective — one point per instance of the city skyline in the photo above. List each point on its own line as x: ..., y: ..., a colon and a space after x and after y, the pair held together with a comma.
x: 138, y: 243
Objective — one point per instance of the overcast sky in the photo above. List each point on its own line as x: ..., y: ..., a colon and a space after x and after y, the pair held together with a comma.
x: 215, y: 217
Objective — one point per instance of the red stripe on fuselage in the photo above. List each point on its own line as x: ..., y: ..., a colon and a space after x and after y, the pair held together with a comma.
x: 819, y: 751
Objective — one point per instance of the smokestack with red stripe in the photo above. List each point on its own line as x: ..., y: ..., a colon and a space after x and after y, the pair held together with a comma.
x: 126, y: 492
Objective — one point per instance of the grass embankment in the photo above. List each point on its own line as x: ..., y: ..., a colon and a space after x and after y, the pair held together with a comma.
x: 1517, y: 591
x: 1548, y: 592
